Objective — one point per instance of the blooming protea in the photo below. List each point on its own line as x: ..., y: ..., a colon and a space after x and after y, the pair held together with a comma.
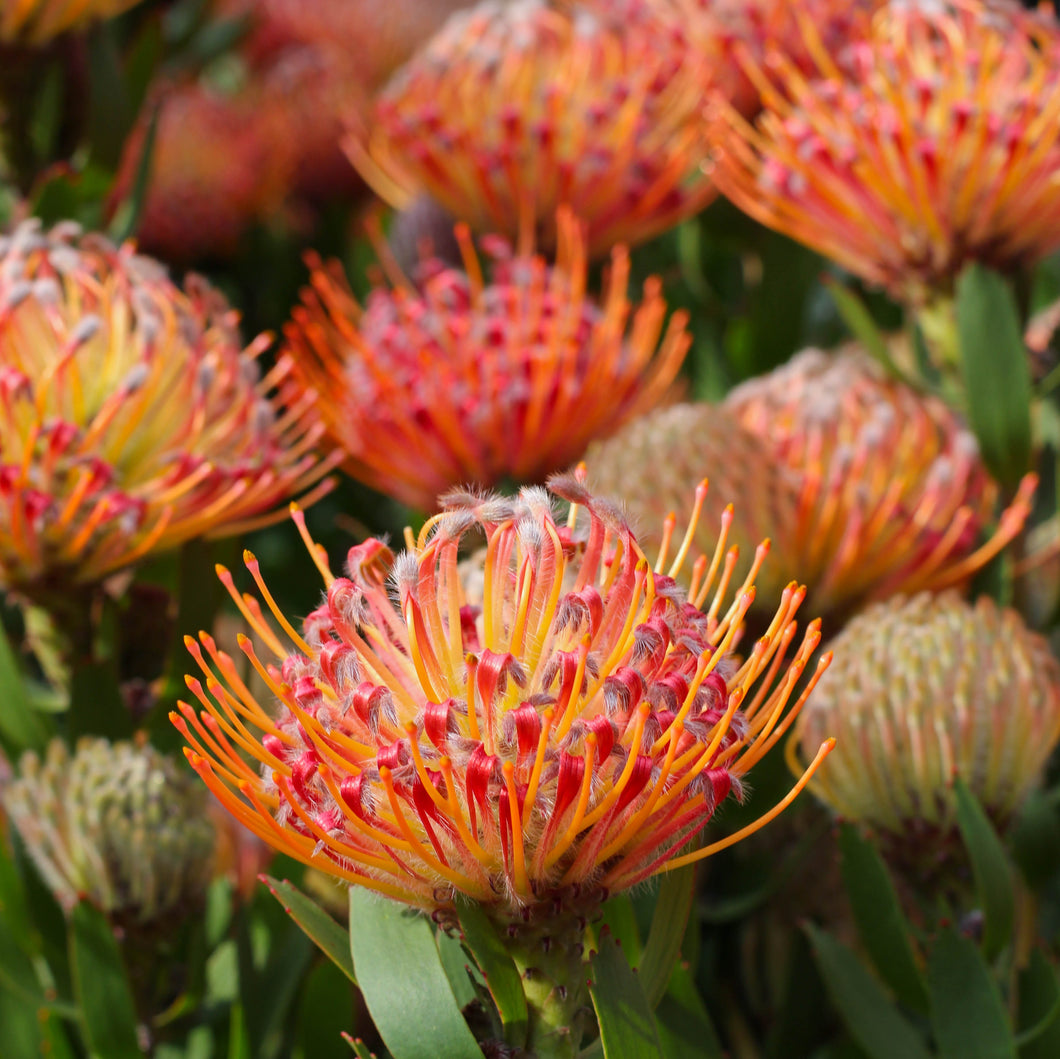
x: 117, y: 823
x: 40, y: 21
x: 926, y: 688
x: 474, y: 380
x: 513, y: 110
x: 893, y: 496
x: 567, y: 739
x: 923, y: 146
x: 131, y: 419
x: 220, y: 160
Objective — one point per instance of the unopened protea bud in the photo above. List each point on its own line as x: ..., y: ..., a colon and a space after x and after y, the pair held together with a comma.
x: 924, y: 689
x: 653, y: 464
x: 118, y: 823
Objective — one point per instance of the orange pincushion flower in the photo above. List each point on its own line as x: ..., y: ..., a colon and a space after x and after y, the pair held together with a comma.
x: 214, y: 168
x: 893, y: 494
x: 131, y: 419
x: 39, y: 21
x: 469, y: 380
x: 568, y: 737
x: 513, y: 110
x: 925, y: 145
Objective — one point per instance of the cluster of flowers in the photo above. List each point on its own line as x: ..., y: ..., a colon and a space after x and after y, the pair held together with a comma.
x: 560, y: 715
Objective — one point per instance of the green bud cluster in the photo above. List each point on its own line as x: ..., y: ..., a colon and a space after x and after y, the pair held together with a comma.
x: 118, y: 823
x: 924, y: 688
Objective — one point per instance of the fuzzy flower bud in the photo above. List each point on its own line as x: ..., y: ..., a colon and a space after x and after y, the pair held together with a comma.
x: 926, y: 688
x: 118, y: 823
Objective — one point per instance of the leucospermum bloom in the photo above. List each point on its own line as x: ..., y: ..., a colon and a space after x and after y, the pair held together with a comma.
x: 568, y: 738
x: 118, y: 823
x: 131, y: 419
x: 513, y: 110
x: 926, y: 688
x: 928, y: 145
x: 473, y: 380
x: 220, y: 161
x: 40, y: 21
x: 893, y: 495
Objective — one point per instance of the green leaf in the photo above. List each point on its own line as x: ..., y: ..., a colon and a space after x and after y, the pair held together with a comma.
x: 996, y: 373
x: 21, y: 728
x: 498, y: 969
x: 325, y: 1012
x: 627, y: 1026
x: 860, y: 323
x: 672, y: 909
x: 990, y: 867
x: 404, y: 984
x: 620, y: 917
x: 323, y: 931
x: 684, y: 1026
x: 19, y: 1029
x: 867, y: 1011
x: 1039, y: 1009
x: 882, y: 926
x: 1035, y: 839
x: 458, y: 968
x: 101, y: 985
x: 967, y: 1015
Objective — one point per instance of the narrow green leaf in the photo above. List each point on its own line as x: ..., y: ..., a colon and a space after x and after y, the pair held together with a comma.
x: 627, y: 1025
x: 127, y: 216
x: 17, y: 973
x: 458, y: 969
x: 404, y: 984
x: 498, y: 969
x: 882, y: 926
x: 101, y: 985
x: 990, y: 867
x: 1039, y: 1009
x: 672, y: 909
x: 325, y: 1011
x: 19, y: 1028
x: 21, y: 727
x: 996, y: 374
x: 620, y: 917
x: 328, y: 936
x: 866, y: 1010
x: 967, y: 1015
x: 860, y: 323
x: 683, y: 1023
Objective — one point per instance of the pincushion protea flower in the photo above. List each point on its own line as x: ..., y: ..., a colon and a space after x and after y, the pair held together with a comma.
x: 131, y: 420
x: 926, y: 146
x: 513, y: 110
x: 476, y: 380
x: 926, y: 688
x: 572, y: 736
x: 39, y: 21
x: 220, y: 161
x: 117, y: 823
x: 892, y: 496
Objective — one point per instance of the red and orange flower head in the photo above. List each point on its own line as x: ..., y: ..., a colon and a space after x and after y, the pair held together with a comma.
x: 220, y: 161
x: 131, y: 419
x: 568, y: 738
x: 893, y: 495
x: 924, y: 146
x: 513, y: 110
x: 37, y: 22
x: 473, y: 380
